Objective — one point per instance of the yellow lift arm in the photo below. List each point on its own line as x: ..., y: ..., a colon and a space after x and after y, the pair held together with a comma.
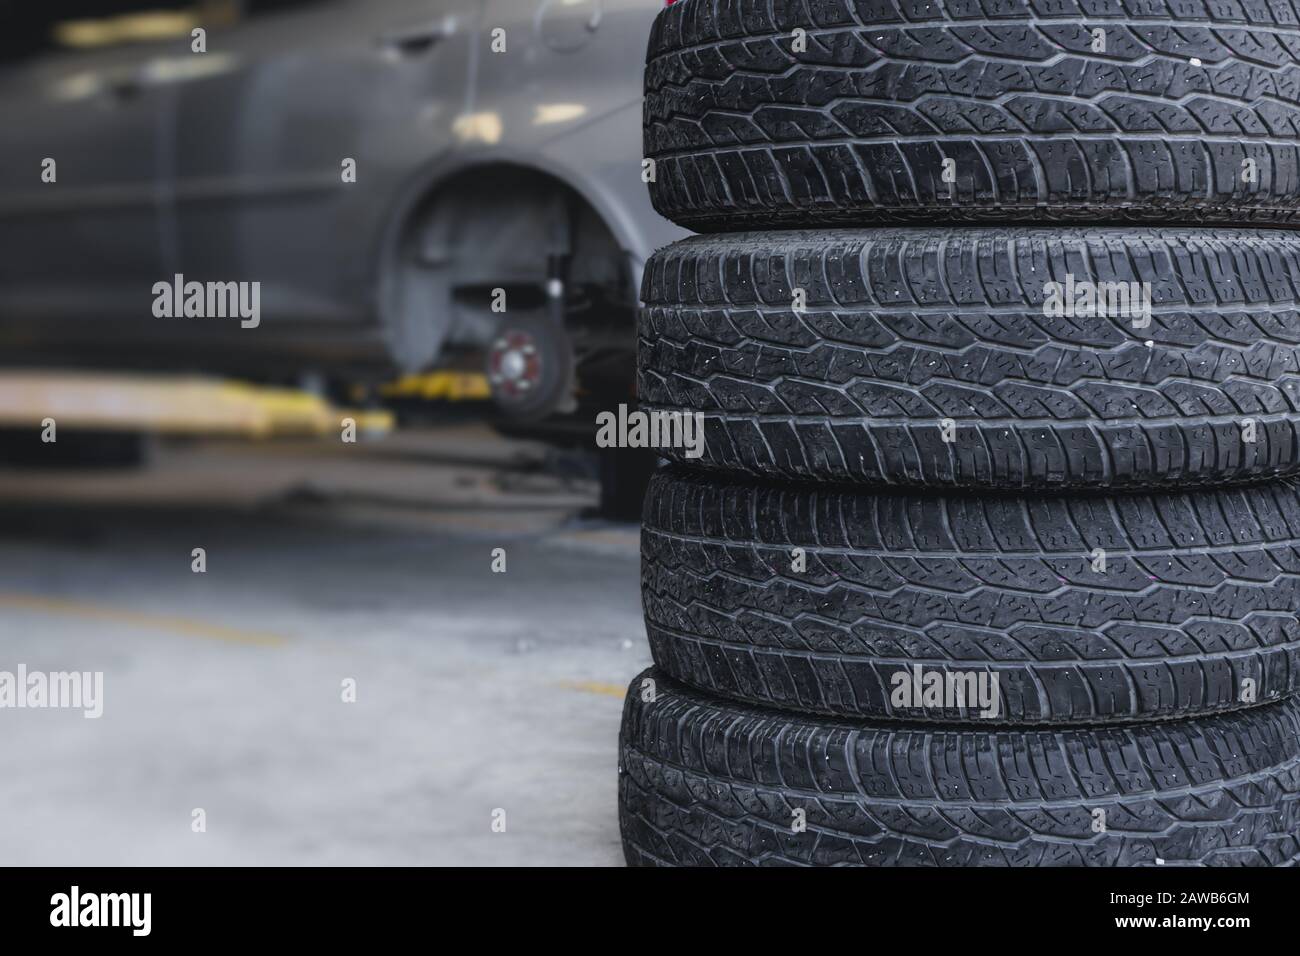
x: 172, y: 405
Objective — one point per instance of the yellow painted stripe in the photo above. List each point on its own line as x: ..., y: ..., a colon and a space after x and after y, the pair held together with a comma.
x: 149, y: 622
x: 596, y: 687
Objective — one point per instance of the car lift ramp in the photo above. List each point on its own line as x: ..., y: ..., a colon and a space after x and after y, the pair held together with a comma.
x: 172, y: 405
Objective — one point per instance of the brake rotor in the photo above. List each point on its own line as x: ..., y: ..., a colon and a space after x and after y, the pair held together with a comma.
x: 515, y: 365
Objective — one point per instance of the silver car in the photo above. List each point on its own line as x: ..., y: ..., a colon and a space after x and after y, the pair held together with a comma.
x: 404, y: 180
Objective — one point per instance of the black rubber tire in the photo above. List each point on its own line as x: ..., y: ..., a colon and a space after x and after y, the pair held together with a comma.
x: 703, y: 782
x: 1162, y: 125
x: 903, y: 330
x: 1190, y: 596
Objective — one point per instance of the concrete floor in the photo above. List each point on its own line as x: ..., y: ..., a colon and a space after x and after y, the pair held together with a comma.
x: 476, y: 691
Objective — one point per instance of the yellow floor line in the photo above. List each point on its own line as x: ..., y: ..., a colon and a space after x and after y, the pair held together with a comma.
x: 595, y: 687
x: 150, y: 622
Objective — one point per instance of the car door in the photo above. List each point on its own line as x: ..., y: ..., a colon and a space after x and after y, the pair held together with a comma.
x: 79, y: 176
x: 261, y: 188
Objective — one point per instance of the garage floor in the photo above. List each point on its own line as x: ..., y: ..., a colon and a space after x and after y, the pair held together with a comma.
x: 475, y: 691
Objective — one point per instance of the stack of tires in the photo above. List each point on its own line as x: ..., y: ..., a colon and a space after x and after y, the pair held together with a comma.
x: 991, y: 556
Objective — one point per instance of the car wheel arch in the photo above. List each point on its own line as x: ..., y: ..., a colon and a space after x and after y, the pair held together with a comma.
x: 413, y: 344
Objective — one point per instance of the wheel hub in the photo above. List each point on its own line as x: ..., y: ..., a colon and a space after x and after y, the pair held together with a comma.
x: 514, y: 365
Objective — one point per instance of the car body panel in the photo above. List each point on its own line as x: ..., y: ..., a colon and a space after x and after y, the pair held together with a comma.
x: 227, y: 166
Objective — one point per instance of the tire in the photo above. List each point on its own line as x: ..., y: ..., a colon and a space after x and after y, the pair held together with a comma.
x: 1061, y: 610
x: 1190, y: 113
x: 937, y: 357
x: 703, y: 782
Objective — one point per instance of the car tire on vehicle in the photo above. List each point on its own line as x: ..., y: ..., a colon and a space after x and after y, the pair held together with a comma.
x: 858, y: 111
x: 1059, y: 610
x: 972, y: 357
x: 705, y: 782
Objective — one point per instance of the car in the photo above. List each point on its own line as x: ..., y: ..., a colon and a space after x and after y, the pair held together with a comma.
x: 402, y: 183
